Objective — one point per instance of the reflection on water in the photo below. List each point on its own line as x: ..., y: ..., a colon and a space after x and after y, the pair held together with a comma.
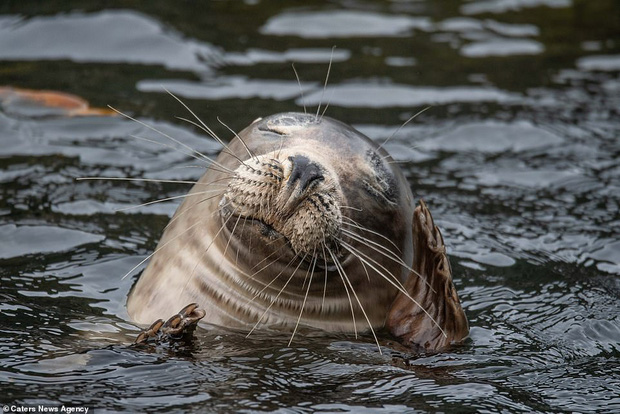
x: 517, y: 158
x: 107, y: 36
x: 342, y: 23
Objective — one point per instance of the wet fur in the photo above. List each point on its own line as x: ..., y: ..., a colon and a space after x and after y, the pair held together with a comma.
x: 253, y: 247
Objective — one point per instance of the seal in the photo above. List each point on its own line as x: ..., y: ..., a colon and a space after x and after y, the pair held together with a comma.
x: 303, y: 221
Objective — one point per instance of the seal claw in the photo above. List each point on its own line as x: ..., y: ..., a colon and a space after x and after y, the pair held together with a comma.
x: 150, y: 332
x: 174, y: 328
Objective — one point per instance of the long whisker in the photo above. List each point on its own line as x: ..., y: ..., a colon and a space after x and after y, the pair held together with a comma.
x: 411, y: 118
x: 281, y: 145
x: 346, y: 289
x: 209, y: 131
x: 204, y: 126
x: 160, y: 247
x: 365, y: 270
x: 326, y: 273
x: 171, y: 138
x: 346, y: 278
x: 245, y: 221
x: 329, y: 68
x: 303, y: 305
x: 355, y: 224
x: 360, y: 256
x: 231, y: 236
x: 375, y: 246
x: 191, y: 275
x: 148, y: 180
x: 163, y: 144
x: 177, y: 167
x: 327, y: 105
x: 301, y: 91
x: 161, y: 200
x: 385, y: 252
x: 265, y: 259
x: 266, y: 286
x: 179, y: 214
x: 276, y: 298
x: 226, y: 150
x: 303, y: 285
x: 384, y: 272
x: 389, y: 159
x: 352, y: 208
x: 250, y: 153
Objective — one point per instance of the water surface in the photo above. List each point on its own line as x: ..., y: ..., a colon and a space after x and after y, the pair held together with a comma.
x: 517, y: 159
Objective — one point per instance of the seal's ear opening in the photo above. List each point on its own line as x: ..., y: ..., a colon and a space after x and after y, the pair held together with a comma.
x: 430, y: 316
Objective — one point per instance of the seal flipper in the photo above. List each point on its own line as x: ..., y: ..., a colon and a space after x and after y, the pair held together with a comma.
x: 183, y: 322
x: 432, y: 288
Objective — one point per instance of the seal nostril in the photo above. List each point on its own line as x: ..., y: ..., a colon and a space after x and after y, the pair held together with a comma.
x: 304, y: 172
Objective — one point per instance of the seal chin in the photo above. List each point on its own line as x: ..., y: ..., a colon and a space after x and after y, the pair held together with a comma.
x: 253, y: 231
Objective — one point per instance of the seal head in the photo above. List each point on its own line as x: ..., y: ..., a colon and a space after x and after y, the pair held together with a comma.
x: 300, y: 221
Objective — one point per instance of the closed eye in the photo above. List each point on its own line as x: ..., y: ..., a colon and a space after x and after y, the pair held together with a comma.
x: 381, y: 184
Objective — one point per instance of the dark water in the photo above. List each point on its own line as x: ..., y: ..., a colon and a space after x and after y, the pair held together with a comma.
x: 517, y: 159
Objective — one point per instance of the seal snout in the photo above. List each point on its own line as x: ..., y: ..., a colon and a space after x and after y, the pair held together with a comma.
x: 292, y: 194
x: 304, y: 173
x: 304, y: 176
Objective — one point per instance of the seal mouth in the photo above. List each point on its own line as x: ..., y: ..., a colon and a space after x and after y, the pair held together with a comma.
x: 266, y: 229
x: 319, y: 259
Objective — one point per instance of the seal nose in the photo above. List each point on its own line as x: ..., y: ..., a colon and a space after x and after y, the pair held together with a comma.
x: 304, y: 173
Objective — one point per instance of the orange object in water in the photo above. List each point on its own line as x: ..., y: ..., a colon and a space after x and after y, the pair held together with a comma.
x: 67, y: 104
